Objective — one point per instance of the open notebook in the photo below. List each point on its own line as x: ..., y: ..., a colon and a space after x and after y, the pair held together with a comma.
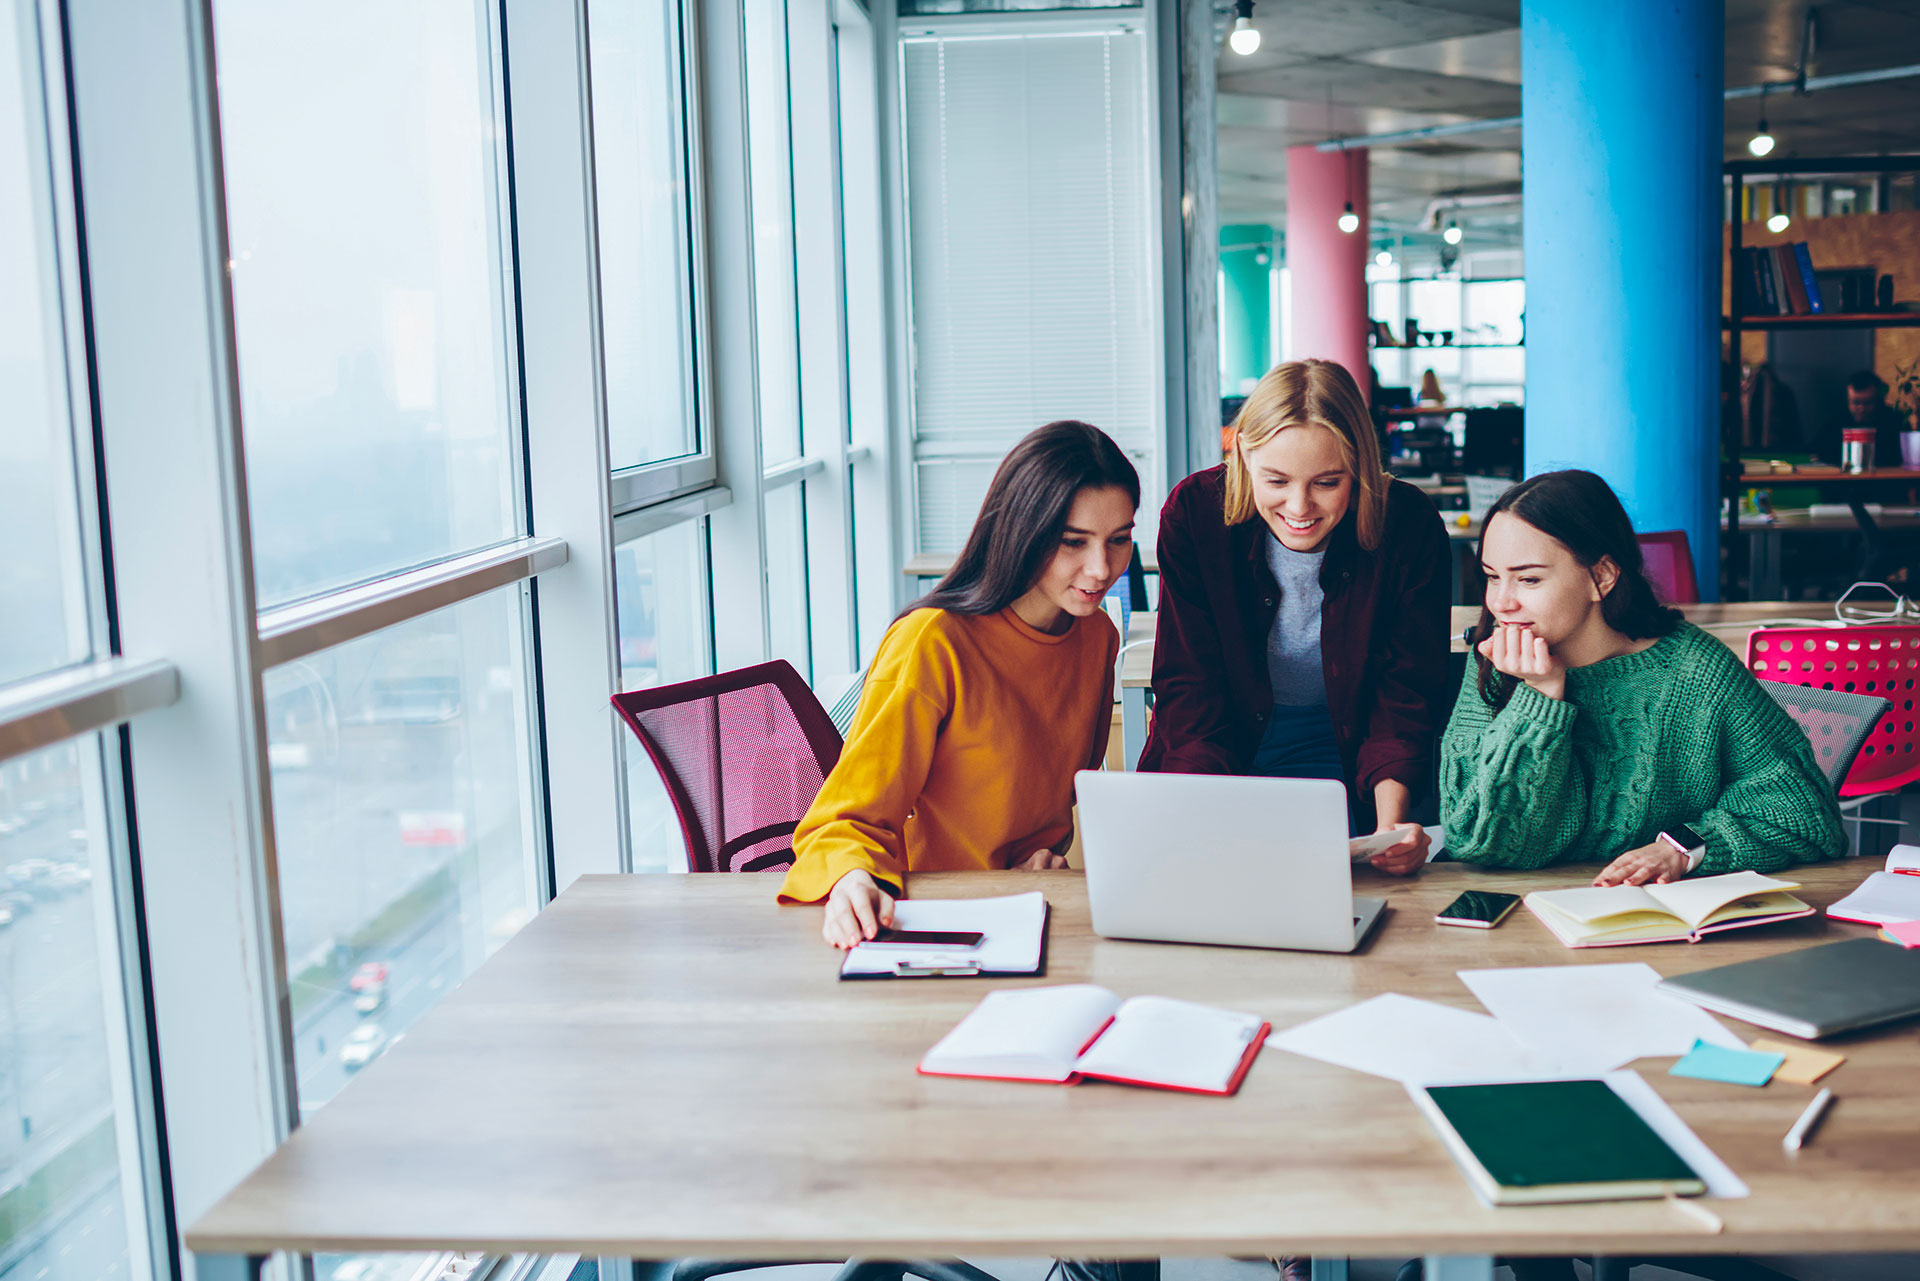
x: 1679, y: 912
x: 1061, y: 1034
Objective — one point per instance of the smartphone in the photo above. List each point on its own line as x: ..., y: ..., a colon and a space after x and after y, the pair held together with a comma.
x: 1480, y: 909
x: 930, y: 938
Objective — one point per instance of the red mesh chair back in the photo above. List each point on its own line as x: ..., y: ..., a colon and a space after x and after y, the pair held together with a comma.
x: 1669, y: 562
x: 1879, y: 662
x: 742, y: 754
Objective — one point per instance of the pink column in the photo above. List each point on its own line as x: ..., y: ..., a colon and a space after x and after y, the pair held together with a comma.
x: 1328, y: 315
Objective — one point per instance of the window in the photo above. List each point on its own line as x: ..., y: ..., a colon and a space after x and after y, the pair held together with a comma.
x: 64, y: 1118
x: 775, y: 305
x: 1032, y: 256
x: 362, y: 187
x: 787, y: 596
x: 41, y: 595
x: 660, y: 584
x: 645, y: 244
x: 403, y: 833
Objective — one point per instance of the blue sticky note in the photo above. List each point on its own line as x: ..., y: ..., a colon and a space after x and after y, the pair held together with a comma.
x: 1735, y: 1067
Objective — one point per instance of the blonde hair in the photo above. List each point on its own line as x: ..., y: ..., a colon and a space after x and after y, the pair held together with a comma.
x: 1311, y: 393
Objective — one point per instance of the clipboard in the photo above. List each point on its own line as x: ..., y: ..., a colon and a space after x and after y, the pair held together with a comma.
x: 1016, y: 929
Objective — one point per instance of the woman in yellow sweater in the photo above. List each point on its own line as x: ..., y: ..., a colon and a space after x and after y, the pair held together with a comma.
x: 985, y: 696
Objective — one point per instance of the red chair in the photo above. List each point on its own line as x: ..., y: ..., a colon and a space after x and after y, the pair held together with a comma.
x: 1669, y: 562
x: 1880, y: 662
x: 742, y: 754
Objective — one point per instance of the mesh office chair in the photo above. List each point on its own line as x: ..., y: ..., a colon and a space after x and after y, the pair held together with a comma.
x: 1880, y: 663
x: 743, y: 755
x: 1669, y: 563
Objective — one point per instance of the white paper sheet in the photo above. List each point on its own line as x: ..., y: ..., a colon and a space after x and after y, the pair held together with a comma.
x: 1599, y: 1015
x: 1014, y: 925
x: 1418, y: 1042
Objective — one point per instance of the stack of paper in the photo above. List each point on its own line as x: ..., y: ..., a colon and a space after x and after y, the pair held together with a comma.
x: 1015, y: 926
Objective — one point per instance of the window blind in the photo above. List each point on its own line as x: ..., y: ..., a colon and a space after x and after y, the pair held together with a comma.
x: 1030, y: 180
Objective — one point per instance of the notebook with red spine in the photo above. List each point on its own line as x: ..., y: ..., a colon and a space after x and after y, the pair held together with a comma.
x: 1062, y: 1035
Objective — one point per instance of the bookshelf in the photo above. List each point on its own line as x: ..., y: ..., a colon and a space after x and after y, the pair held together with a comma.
x: 1734, y: 322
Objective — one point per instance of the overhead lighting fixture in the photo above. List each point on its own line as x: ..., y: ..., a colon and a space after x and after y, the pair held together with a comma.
x: 1246, y: 37
x: 1384, y: 258
x: 1780, y: 221
x: 1349, y: 220
x: 1762, y: 142
x: 1452, y: 234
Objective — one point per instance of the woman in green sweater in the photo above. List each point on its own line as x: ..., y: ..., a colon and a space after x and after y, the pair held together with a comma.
x: 1595, y: 725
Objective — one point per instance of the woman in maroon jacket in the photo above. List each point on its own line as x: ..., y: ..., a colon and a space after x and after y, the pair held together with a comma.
x: 1303, y: 610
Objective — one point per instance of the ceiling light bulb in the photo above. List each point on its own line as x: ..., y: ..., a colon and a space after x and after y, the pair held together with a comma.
x: 1452, y: 234
x: 1349, y: 220
x: 1778, y: 223
x: 1245, y: 38
x: 1384, y: 258
x: 1761, y: 143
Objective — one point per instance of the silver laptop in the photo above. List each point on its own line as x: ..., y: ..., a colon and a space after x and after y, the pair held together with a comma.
x: 1208, y: 858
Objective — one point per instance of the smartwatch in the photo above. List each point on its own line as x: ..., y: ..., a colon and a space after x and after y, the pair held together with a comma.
x: 1686, y: 841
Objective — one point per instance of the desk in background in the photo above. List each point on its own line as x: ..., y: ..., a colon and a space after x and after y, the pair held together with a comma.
x: 1731, y: 623
x: 664, y: 1066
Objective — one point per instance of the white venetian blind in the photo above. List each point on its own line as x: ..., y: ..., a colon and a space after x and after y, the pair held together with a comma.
x: 1029, y: 209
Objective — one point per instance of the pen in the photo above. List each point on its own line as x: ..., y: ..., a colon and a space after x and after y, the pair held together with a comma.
x: 1808, y: 1119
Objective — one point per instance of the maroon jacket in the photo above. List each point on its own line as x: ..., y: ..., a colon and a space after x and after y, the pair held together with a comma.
x: 1383, y: 640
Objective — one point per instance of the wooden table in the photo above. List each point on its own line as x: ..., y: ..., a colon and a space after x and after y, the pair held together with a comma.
x: 1732, y: 623
x: 662, y: 1066
x: 1764, y: 538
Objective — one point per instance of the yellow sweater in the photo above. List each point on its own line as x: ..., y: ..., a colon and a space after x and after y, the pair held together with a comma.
x: 963, y: 752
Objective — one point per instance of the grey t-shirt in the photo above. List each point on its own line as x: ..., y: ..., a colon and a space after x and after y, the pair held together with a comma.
x: 1293, y: 646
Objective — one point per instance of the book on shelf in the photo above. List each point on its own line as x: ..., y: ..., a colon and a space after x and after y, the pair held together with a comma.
x: 1679, y: 912
x: 1803, y: 258
x: 1062, y: 1034
x: 1536, y: 1142
x: 1787, y: 269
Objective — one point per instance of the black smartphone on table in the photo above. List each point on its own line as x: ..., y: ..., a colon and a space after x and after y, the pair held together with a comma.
x: 929, y: 938
x: 1478, y: 909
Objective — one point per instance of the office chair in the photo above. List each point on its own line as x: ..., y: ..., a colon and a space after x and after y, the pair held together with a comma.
x: 1876, y: 662
x: 742, y: 755
x: 1669, y: 563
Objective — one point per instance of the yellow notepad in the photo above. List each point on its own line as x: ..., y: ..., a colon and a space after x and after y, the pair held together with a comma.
x: 1683, y: 911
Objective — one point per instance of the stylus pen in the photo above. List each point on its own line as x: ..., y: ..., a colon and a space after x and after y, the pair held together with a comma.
x: 1808, y: 1119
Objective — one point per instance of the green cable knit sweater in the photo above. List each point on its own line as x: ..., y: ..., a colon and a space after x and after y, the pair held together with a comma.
x: 1679, y: 732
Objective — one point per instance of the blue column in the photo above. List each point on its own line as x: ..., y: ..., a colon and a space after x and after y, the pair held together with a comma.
x: 1622, y: 122
x: 1244, y: 303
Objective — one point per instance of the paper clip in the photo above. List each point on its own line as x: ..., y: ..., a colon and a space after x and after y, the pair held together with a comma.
x: 930, y: 966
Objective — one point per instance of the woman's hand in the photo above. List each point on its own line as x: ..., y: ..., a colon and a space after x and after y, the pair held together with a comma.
x: 1041, y: 861
x: 1405, y: 856
x: 1658, y: 862
x: 1517, y: 652
x: 857, y: 909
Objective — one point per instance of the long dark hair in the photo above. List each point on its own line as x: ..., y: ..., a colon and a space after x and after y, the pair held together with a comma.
x: 1024, y: 513
x: 1581, y: 512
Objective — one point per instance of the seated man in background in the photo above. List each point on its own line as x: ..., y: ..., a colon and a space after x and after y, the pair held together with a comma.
x: 1866, y: 407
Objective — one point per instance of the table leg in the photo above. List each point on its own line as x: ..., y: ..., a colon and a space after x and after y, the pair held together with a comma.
x: 1458, y: 1267
x: 228, y: 1267
x: 1133, y: 724
x: 1763, y: 563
